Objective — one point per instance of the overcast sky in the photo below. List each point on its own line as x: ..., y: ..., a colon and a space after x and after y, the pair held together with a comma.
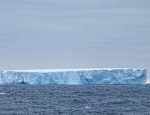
x: 45, y: 34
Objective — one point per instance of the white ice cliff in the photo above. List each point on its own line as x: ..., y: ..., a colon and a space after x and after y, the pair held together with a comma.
x: 74, y: 76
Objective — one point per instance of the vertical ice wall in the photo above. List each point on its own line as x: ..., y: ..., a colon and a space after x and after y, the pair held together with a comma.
x: 74, y: 76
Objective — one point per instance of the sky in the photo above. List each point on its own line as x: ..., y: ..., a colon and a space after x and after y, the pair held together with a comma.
x: 55, y: 34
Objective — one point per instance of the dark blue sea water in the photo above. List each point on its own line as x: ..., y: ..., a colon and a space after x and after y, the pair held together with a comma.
x: 75, y: 100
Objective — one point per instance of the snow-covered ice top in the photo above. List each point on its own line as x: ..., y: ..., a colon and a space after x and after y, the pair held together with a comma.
x: 75, y: 76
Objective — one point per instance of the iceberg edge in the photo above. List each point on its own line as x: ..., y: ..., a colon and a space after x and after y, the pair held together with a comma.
x: 75, y: 76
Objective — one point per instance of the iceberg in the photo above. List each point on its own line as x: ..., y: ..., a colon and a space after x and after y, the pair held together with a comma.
x: 75, y: 76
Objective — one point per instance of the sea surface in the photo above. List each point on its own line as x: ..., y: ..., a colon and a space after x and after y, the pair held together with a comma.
x: 75, y: 99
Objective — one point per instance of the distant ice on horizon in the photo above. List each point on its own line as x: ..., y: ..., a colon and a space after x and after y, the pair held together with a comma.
x: 75, y: 76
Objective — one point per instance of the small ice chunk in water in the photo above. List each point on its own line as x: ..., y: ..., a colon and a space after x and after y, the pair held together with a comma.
x: 87, y: 107
x: 2, y: 93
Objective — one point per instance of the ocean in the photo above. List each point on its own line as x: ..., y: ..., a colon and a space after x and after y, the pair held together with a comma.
x: 74, y: 99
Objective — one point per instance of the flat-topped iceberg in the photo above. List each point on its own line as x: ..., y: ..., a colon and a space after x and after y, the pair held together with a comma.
x: 75, y: 76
